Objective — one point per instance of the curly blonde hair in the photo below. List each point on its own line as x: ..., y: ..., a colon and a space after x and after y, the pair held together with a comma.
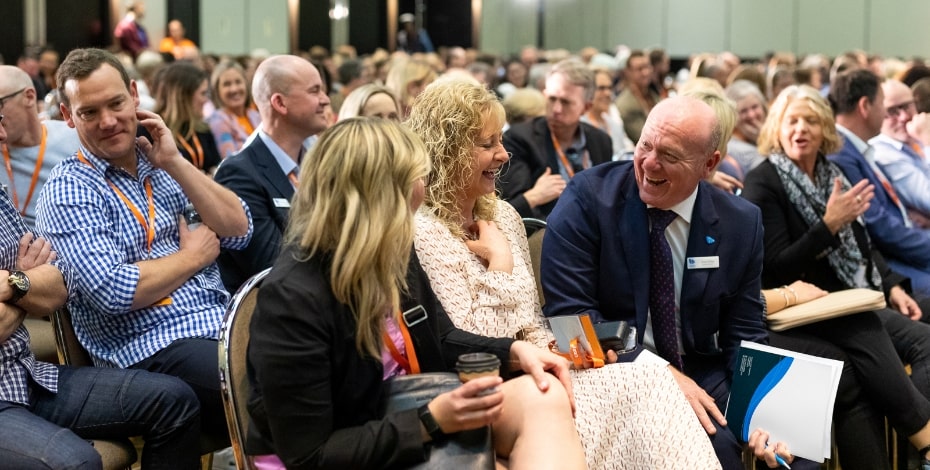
x: 450, y: 116
x: 353, y: 206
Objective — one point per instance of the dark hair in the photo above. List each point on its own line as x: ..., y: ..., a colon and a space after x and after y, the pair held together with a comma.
x: 80, y: 63
x: 921, y: 90
x: 349, y: 70
x: 914, y: 73
x: 849, y: 87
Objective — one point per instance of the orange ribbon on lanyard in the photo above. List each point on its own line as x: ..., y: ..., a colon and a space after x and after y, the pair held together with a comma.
x: 409, y: 363
x: 196, y: 157
x: 35, y: 173
x: 565, y: 162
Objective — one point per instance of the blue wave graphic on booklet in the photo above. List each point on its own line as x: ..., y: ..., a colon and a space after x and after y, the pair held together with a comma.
x: 769, y: 381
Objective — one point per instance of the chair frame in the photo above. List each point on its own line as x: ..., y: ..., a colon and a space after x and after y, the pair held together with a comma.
x: 234, y: 396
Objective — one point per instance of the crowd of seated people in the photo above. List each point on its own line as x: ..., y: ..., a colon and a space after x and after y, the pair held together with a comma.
x: 842, y: 196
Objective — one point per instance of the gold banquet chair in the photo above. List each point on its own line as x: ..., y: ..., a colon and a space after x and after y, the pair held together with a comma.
x: 116, y: 454
x: 535, y: 231
x: 233, y: 344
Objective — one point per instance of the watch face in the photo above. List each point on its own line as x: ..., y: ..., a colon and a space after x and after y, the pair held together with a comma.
x: 19, y: 282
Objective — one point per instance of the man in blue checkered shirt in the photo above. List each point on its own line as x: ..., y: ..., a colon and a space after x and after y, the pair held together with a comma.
x: 48, y: 411
x: 148, y: 291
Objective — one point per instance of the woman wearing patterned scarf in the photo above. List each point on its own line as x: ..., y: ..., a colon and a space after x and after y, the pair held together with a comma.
x: 813, y: 232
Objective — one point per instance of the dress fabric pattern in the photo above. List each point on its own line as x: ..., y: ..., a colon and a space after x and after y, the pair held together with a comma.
x: 629, y: 416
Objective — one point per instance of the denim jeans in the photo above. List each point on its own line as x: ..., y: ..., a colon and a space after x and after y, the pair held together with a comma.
x: 101, y: 403
x: 195, y: 361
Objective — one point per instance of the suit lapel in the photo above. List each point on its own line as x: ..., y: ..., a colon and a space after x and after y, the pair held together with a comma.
x: 548, y: 157
x: 270, y: 170
x: 703, y: 241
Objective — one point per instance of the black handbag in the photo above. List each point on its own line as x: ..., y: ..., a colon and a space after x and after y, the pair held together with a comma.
x: 471, y: 450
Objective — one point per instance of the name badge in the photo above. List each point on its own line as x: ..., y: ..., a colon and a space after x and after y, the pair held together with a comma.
x: 704, y: 262
x: 281, y: 202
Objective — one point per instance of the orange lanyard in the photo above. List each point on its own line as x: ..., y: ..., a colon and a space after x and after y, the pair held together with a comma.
x: 565, y: 162
x: 917, y: 149
x: 293, y: 177
x: 245, y: 123
x: 148, y: 226
x: 409, y: 363
x: 196, y: 157
x: 35, y: 173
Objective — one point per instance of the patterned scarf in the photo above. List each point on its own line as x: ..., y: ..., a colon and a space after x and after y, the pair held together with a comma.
x: 810, y: 199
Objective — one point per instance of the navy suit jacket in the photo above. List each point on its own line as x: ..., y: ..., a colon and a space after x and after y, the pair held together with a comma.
x: 255, y: 176
x: 595, y: 260
x: 531, y: 152
x: 883, y: 219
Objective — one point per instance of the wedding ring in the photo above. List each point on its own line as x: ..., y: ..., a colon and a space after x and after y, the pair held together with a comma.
x: 859, y: 199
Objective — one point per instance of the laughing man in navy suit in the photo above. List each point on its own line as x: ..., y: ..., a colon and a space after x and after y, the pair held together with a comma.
x: 597, y: 255
x: 292, y: 101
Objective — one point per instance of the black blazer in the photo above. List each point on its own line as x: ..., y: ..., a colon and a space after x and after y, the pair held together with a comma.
x: 315, y: 398
x: 255, y: 176
x: 531, y: 152
x: 793, y: 248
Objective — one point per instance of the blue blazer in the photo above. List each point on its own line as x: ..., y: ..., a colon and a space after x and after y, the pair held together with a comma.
x: 595, y: 260
x: 883, y: 220
x: 255, y: 176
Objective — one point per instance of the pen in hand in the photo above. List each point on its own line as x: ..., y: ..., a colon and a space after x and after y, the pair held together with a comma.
x: 779, y: 459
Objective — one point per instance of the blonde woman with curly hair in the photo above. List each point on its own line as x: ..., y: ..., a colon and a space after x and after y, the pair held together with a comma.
x: 473, y: 247
x: 327, y: 334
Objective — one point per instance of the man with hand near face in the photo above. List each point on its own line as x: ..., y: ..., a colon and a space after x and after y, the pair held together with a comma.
x: 548, y: 151
x: 148, y: 291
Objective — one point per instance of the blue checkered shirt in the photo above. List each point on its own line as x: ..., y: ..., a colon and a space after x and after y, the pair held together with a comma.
x: 91, y: 228
x: 17, y: 363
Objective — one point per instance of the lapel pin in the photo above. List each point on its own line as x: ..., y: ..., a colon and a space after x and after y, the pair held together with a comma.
x: 710, y: 240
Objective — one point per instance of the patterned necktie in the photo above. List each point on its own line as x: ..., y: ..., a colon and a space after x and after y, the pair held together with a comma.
x: 662, y: 288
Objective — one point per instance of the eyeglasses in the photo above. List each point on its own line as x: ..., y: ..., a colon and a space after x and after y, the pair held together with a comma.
x: 605, y: 88
x: 1, y: 118
x: 3, y: 99
x: 894, y: 111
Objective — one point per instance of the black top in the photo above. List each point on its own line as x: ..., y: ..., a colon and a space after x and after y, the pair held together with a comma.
x: 314, y: 398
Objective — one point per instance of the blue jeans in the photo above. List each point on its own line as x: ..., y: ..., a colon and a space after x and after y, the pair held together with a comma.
x: 195, y: 361
x: 101, y: 403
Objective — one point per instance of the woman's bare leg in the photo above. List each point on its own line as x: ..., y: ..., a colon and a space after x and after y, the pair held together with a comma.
x: 536, y: 429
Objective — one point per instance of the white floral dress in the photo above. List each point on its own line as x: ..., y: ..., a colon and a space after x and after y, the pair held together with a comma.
x: 629, y: 416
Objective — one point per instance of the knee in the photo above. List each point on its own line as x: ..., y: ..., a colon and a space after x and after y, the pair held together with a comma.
x: 525, y: 391
x: 174, y: 399
x: 70, y: 451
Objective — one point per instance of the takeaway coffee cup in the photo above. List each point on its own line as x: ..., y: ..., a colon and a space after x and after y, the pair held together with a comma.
x: 474, y: 365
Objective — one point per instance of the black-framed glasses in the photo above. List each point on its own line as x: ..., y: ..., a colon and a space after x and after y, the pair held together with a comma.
x: 893, y: 111
x: 3, y: 99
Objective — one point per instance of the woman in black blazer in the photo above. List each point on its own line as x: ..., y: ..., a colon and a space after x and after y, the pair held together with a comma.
x: 316, y: 359
x: 813, y: 233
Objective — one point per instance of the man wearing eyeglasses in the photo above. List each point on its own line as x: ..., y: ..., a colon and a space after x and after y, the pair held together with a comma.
x: 32, y: 147
x: 861, y: 108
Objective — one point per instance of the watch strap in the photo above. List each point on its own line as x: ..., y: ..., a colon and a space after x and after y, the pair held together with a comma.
x: 430, y: 424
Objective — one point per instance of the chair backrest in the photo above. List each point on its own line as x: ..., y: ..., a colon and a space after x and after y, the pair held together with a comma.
x: 535, y: 241
x: 233, y: 344
x: 70, y: 351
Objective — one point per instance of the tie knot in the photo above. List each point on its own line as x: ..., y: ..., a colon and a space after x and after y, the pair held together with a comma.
x: 661, y: 218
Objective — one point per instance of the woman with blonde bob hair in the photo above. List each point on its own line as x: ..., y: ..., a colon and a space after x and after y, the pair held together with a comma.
x: 473, y: 247
x: 327, y: 334
x: 811, y: 215
x: 371, y: 100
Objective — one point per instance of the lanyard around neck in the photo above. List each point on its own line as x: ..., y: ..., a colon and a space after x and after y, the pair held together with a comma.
x: 148, y: 226
x: 196, y: 157
x: 35, y: 173
x: 408, y: 363
x: 565, y: 162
